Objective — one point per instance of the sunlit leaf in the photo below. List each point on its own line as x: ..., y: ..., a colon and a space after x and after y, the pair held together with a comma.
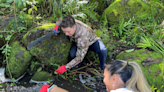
x: 24, y: 9
x: 55, y: 72
x: 8, y: 54
x: 1, y: 35
x: 13, y: 79
x: 35, y: 8
x: 4, y: 5
x: 9, y: 1
x: 3, y: 51
x: 24, y: 4
x: 130, y: 50
x: 40, y: 69
x: 29, y: 11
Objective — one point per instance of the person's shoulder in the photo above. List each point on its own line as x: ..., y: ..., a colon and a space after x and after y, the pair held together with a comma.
x: 81, y: 23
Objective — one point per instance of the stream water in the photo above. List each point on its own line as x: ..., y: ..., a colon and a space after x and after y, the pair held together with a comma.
x: 23, y: 85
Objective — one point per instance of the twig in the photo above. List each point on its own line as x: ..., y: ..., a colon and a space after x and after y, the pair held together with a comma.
x: 94, y: 71
x: 87, y: 87
x: 82, y: 67
x: 78, y: 72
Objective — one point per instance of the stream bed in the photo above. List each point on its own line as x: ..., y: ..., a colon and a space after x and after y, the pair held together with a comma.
x: 24, y: 85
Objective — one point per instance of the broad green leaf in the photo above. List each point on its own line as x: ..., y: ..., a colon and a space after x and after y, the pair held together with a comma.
x: 9, y: 1
x: 1, y: 35
x: 35, y: 8
x: 24, y: 9
x: 130, y: 50
x: 4, y: 5
x: 24, y: 4
x: 3, y: 51
x: 8, y: 53
x: 40, y: 69
x: 29, y: 11
x: 13, y: 79
x: 55, y: 72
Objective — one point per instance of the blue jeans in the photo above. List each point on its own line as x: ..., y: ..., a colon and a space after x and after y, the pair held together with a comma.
x: 97, y: 47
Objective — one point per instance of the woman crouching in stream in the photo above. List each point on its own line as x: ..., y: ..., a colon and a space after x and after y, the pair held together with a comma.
x: 122, y: 76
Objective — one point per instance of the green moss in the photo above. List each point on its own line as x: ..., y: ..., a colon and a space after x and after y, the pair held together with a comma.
x: 18, y: 60
x: 35, y: 51
x: 46, y: 26
x: 42, y: 76
x: 99, y: 33
x: 24, y: 40
x: 120, y: 9
x: 52, y: 51
x: 139, y: 56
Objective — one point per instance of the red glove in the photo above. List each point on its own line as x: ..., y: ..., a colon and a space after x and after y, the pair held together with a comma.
x: 55, y: 29
x: 61, y: 69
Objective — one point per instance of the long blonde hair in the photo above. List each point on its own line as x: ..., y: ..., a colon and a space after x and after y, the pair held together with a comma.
x: 130, y: 73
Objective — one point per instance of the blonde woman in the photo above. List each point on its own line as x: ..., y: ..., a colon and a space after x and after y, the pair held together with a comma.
x: 122, y: 76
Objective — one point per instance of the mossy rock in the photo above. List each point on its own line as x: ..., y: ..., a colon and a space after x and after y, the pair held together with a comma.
x: 121, y: 9
x: 42, y: 76
x: 19, y: 60
x: 53, y: 50
x: 141, y: 55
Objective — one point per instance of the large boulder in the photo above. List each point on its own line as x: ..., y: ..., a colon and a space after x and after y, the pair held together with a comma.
x: 53, y: 50
x: 127, y: 8
x: 150, y: 62
x: 19, y: 60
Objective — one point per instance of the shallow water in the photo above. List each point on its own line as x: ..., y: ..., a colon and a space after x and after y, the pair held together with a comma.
x: 23, y: 85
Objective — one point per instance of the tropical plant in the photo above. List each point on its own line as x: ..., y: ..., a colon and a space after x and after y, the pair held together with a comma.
x: 131, y: 31
x: 81, y: 9
x: 155, y: 44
